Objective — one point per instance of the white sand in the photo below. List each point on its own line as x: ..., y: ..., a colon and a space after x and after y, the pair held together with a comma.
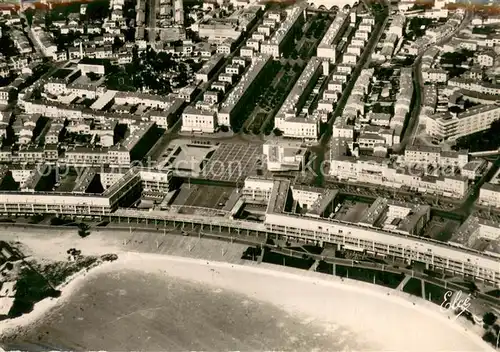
x: 388, y: 322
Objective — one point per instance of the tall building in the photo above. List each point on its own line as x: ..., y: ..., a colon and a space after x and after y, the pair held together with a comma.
x: 291, y: 119
x: 280, y: 40
x: 327, y: 48
x: 452, y: 126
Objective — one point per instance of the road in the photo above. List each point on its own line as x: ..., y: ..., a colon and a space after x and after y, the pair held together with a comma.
x: 468, y: 204
x: 39, y: 51
x: 152, y: 20
x: 418, y: 81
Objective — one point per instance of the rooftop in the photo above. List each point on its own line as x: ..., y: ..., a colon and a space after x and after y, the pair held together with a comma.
x: 374, y: 212
x: 324, y: 200
x: 279, y: 196
x: 258, y: 63
x: 332, y: 33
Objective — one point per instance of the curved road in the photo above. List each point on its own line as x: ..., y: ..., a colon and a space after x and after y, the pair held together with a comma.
x: 418, y: 81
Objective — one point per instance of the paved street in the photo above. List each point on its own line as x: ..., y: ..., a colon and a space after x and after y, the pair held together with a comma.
x: 153, y: 6
x: 414, y: 118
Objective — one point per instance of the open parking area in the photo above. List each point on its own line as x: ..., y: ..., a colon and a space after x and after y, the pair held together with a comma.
x: 233, y: 162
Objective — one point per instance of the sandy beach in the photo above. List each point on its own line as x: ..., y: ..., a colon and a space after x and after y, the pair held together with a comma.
x: 153, y: 301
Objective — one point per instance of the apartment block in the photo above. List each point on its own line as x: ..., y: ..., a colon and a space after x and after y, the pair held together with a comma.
x: 327, y: 48
x: 198, y: 120
x: 279, y: 40
x: 244, y: 89
x: 290, y: 119
x: 452, y: 126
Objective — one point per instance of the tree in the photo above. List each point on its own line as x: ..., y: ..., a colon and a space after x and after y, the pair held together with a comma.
x: 83, y: 230
x: 489, y: 319
x: 35, y: 219
x: 277, y: 132
x: 224, y: 129
x: 117, y: 44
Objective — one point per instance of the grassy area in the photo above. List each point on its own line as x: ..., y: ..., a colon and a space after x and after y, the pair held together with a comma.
x: 317, y: 27
x: 31, y: 288
x: 253, y: 100
x: 494, y: 293
x: 483, y: 30
x: 325, y: 268
x: 121, y: 81
x: 7, y: 46
x: 272, y: 98
x: 56, y: 273
x: 368, y: 275
x: 257, y: 122
x: 414, y: 287
x: 456, y: 58
x: 481, y: 141
x: 280, y: 259
x: 417, y: 27
x: 435, y: 293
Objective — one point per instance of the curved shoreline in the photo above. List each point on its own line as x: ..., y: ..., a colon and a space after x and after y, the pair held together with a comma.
x: 154, y: 263
x: 46, y: 305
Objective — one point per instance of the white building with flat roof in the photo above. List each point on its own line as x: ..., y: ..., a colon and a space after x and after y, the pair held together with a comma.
x: 290, y: 119
x: 435, y: 75
x: 327, y: 48
x: 198, y: 120
x: 453, y: 126
x: 489, y: 195
x: 400, y: 243
x: 427, y: 155
x: 235, y: 100
x: 278, y: 41
x: 257, y: 190
x: 378, y: 171
x: 284, y: 156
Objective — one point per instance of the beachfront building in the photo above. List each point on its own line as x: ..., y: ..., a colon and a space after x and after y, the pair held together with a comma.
x: 392, y: 243
x: 257, y: 190
x: 386, y: 230
x: 126, y: 188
